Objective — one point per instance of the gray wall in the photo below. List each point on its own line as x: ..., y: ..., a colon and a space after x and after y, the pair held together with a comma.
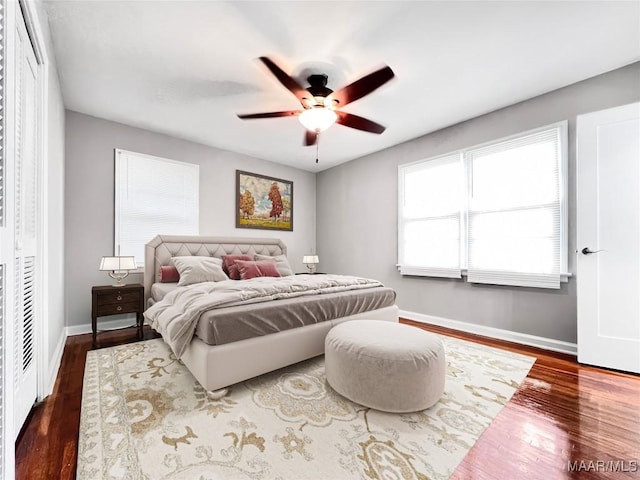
x: 357, y: 214
x: 89, y: 199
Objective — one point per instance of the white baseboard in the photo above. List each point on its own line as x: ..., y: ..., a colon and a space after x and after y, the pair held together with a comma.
x: 103, y: 325
x: 54, y: 364
x: 500, y: 334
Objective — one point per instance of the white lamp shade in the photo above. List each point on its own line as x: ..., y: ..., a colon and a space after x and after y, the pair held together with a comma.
x: 118, y: 263
x: 317, y: 118
x: 310, y: 259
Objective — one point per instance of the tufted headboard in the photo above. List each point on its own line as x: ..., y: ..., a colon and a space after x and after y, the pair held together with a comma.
x: 160, y: 250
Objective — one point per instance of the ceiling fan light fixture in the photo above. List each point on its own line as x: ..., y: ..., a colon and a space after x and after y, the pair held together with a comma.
x: 318, y: 119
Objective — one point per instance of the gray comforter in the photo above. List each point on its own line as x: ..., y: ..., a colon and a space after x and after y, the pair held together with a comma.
x: 176, y: 316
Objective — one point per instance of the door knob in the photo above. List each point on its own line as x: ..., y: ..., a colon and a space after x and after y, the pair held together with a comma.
x: 588, y: 251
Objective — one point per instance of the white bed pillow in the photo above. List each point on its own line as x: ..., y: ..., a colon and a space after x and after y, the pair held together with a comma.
x: 199, y: 269
x: 282, y: 264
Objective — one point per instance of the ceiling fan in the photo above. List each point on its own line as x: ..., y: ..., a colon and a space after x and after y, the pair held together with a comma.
x: 320, y: 104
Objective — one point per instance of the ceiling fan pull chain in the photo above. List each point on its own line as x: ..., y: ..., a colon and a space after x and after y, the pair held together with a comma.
x: 317, y: 145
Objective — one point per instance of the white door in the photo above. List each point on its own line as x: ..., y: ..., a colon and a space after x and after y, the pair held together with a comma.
x: 608, y: 238
x: 25, y: 226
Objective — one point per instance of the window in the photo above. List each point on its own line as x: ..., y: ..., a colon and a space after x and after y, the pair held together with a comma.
x: 496, y: 212
x: 431, y: 224
x: 153, y: 196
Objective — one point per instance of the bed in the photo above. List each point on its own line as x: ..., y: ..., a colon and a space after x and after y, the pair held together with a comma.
x: 242, y: 346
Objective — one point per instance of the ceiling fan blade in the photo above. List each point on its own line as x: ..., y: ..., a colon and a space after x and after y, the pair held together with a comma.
x: 310, y: 138
x: 362, y: 87
x: 359, y: 123
x: 287, y: 113
x: 289, y: 82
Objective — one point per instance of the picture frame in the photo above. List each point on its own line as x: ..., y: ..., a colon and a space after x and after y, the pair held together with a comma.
x: 263, y: 202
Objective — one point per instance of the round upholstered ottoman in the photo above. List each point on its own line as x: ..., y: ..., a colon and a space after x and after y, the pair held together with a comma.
x: 387, y: 366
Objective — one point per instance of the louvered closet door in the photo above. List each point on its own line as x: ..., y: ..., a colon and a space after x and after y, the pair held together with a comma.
x: 25, y: 204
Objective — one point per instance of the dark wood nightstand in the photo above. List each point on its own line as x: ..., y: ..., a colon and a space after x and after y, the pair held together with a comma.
x: 109, y: 300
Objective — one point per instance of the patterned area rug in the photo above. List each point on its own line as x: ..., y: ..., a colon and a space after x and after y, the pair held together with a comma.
x: 145, y: 417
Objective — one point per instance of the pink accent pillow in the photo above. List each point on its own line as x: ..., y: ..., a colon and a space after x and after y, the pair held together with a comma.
x: 259, y: 268
x: 169, y: 274
x: 229, y: 265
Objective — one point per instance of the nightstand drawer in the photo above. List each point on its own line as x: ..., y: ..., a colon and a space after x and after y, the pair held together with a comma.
x: 118, y: 297
x: 114, y: 308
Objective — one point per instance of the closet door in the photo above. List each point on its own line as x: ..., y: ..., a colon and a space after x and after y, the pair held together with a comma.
x: 25, y: 224
x: 6, y: 254
x: 608, y: 234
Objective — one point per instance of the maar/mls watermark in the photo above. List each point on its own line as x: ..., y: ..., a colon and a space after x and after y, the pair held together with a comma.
x: 603, y: 466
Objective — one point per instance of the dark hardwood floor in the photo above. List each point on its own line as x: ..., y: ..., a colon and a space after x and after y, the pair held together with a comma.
x: 563, y: 415
x: 47, y: 446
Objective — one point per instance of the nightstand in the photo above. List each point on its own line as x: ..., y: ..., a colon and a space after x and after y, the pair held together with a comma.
x: 109, y: 300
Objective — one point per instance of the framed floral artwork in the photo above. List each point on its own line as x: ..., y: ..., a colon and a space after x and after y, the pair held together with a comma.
x: 263, y: 202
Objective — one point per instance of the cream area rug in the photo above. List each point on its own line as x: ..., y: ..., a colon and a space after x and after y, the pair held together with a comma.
x: 144, y: 416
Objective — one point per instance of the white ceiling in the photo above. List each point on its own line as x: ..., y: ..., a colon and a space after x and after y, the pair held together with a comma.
x: 185, y: 68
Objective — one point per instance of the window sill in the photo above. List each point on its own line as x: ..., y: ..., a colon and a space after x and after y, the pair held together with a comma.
x: 419, y: 272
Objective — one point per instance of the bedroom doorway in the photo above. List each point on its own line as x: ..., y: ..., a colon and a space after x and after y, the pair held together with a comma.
x: 608, y: 238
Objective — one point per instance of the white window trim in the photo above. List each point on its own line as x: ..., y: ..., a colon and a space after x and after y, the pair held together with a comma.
x: 564, y: 202
x: 424, y: 272
x: 116, y: 230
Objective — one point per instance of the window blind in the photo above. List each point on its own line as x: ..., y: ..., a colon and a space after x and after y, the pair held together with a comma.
x: 153, y: 196
x: 514, y: 211
x: 429, y: 217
